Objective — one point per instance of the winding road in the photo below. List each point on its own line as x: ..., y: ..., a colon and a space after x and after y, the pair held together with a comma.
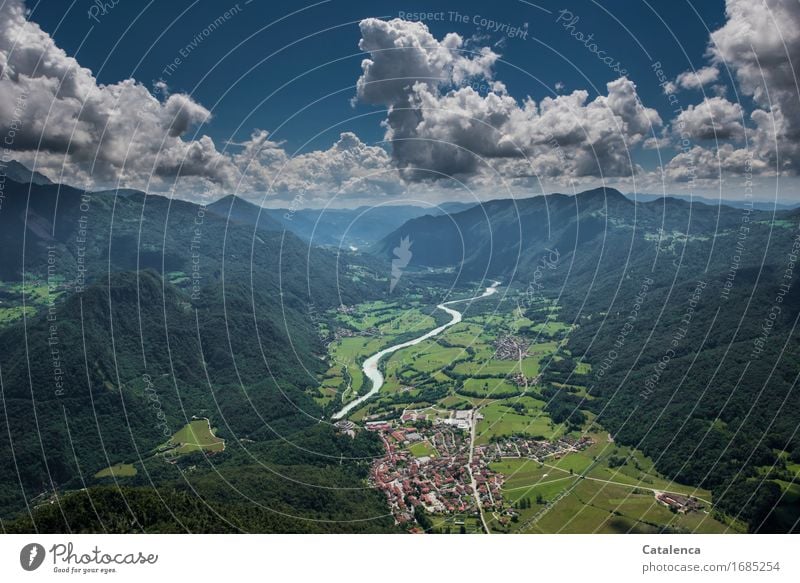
x: 370, y: 366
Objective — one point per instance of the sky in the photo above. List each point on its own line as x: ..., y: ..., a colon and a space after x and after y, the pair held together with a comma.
x: 348, y: 103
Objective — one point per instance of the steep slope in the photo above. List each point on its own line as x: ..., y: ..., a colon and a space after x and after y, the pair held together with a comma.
x: 241, y: 211
x: 156, y: 311
x: 20, y: 173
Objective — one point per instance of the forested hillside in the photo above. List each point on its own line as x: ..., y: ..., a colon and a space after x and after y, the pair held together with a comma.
x: 147, y: 312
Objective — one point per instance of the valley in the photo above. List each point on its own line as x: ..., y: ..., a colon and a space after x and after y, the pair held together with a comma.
x: 485, y: 427
x: 213, y: 336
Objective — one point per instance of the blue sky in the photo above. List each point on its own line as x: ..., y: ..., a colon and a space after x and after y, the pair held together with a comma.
x: 228, y: 69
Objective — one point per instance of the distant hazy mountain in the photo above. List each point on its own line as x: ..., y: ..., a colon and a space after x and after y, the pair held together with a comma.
x: 20, y: 173
x: 763, y: 206
x: 507, y: 237
x: 359, y: 227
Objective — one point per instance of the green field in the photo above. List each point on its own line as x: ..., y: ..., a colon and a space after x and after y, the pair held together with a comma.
x: 117, y: 471
x: 494, y: 387
x: 11, y: 315
x: 422, y: 449
x: 195, y: 436
x: 500, y: 419
x: 35, y: 293
x: 581, y: 493
x: 571, y: 504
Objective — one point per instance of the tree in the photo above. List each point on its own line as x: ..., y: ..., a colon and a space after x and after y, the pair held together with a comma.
x: 423, y: 519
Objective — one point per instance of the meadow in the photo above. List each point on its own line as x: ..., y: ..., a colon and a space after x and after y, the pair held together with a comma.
x: 117, y: 471
x: 197, y: 435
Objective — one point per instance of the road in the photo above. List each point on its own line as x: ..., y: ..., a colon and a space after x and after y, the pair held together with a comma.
x: 473, y: 422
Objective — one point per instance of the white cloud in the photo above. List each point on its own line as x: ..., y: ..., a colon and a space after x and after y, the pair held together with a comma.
x: 438, y: 129
x: 760, y: 43
x: 697, y: 79
x: 437, y: 123
x: 714, y: 118
x: 119, y: 129
x: 95, y: 135
x: 403, y: 54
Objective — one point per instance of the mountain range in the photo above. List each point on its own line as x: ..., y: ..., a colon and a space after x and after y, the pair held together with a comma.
x: 684, y: 310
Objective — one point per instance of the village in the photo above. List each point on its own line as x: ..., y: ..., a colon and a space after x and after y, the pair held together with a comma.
x: 510, y: 348
x: 434, y: 465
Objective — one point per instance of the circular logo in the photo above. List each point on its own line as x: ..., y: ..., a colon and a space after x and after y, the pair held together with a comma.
x: 31, y: 556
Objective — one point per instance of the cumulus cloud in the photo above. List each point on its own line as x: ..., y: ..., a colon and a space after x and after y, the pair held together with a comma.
x: 349, y: 167
x: 696, y: 79
x: 439, y: 128
x: 713, y: 164
x: 447, y: 115
x: 715, y: 118
x: 760, y: 44
x: 94, y: 135
x: 404, y: 54
x: 60, y: 109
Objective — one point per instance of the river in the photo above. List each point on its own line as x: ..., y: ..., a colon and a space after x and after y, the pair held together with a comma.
x: 370, y: 366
